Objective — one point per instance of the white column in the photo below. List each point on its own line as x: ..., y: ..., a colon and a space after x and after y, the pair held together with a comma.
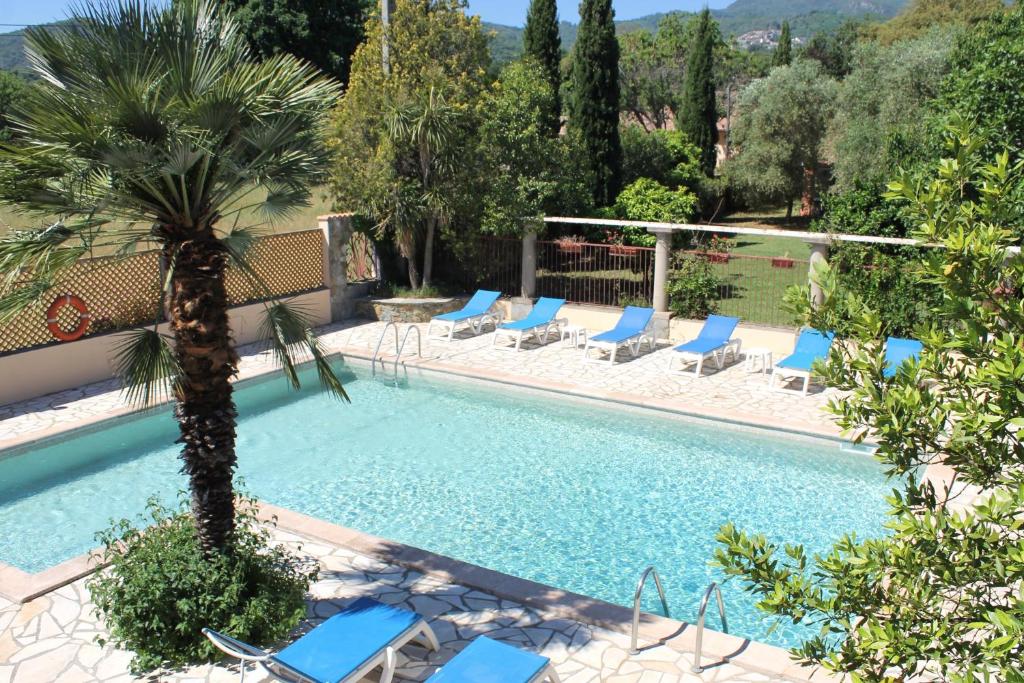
x: 337, y: 230
x: 819, y: 254
x: 662, y: 250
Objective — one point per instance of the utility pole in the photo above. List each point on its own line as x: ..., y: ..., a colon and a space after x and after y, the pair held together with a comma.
x: 386, y: 7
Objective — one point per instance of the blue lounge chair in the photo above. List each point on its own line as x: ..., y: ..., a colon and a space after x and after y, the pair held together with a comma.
x: 539, y: 323
x: 811, y: 347
x: 488, y: 661
x: 475, y: 314
x: 899, y: 351
x: 346, y: 647
x: 714, y: 341
x: 633, y: 329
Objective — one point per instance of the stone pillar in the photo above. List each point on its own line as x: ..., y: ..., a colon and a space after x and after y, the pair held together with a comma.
x: 529, y: 268
x: 337, y: 230
x: 662, y: 250
x: 819, y: 254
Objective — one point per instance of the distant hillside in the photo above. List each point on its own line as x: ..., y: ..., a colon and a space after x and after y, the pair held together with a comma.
x: 12, y: 55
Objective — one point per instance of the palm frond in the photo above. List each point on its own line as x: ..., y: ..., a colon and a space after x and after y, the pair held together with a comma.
x: 146, y: 364
x: 19, y: 298
x: 288, y: 330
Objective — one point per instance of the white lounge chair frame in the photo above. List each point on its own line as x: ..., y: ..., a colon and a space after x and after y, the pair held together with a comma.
x: 634, y: 344
x: 733, y: 346
x: 387, y: 659
x: 788, y: 374
x: 541, y: 332
x: 476, y: 324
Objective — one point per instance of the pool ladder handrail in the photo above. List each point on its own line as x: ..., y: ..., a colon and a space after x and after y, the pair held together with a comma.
x: 633, y: 650
x: 399, y: 348
x: 714, y: 587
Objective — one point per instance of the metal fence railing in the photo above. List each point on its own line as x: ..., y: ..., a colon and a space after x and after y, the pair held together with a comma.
x: 493, y: 263
x: 604, y: 274
x: 752, y: 287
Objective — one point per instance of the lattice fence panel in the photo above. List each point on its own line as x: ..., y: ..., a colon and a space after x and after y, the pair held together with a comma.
x: 289, y: 263
x: 119, y: 292
x: 124, y: 293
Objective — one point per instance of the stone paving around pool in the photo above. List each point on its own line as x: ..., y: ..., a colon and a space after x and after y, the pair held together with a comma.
x: 52, y: 638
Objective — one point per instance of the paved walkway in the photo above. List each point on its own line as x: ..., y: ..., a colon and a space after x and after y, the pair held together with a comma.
x: 53, y: 637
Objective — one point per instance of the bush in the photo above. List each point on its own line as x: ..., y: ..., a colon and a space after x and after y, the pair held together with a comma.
x: 160, y: 589
x: 693, y: 287
x: 662, y: 155
x: 649, y: 200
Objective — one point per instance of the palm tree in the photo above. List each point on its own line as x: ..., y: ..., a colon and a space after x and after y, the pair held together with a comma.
x: 155, y: 126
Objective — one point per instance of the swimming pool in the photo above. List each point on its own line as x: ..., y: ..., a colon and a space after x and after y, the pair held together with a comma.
x: 579, y: 495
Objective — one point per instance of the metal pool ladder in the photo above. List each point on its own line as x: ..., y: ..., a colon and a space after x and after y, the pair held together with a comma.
x: 697, y: 667
x: 633, y: 650
x: 399, y: 348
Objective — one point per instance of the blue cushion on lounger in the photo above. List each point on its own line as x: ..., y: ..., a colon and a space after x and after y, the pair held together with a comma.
x: 701, y: 346
x: 811, y: 346
x: 716, y: 333
x: 899, y: 351
x: 488, y: 661
x: 544, y: 311
x: 340, y: 645
x: 634, y: 321
x: 474, y: 308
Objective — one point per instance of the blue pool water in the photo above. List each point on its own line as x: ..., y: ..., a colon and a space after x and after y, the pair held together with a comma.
x: 579, y: 496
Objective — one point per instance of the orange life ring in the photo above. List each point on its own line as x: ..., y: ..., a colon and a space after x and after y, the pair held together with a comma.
x: 83, y: 317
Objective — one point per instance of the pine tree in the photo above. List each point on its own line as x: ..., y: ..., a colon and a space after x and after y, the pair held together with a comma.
x: 542, y: 42
x: 594, y: 103
x: 784, y: 52
x: 698, y: 114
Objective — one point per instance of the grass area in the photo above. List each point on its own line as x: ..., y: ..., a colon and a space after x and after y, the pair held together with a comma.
x: 304, y: 219
x: 753, y: 290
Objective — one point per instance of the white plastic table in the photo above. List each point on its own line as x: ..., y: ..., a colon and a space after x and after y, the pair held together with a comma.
x: 757, y: 354
x: 575, y: 334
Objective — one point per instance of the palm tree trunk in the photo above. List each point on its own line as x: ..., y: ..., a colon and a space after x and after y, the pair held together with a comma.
x: 205, y: 409
x: 428, y: 252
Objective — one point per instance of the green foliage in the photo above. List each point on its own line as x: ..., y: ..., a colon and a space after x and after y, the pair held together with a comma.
x: 160, y: 589
x: 529, y: 173
x: 780, y: 131
x: 921, y: 16
x: 693, y: 287
x: 882, y: 106
x: 323, y: 32
x: 834, y: 50
x: 662, y: 155
x: 783, y: 55
x: 984, y: 82
x: 542, y: 43
x: 938, y: 596
x: 594, y: 100
x: 404, y: 144
x: 698, y: 113
x: 648, y: 200
x: 12, y: 89
x: 647, y: 78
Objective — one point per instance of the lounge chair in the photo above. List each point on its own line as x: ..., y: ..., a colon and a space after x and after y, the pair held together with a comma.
x: 539, y: 323
x: 811, y: 347
x: 899, y: 351
x: 714, y: 341
x: 475, y: 314
x: 633, y: 329
x: 488, y: 661
x: 346, y: 647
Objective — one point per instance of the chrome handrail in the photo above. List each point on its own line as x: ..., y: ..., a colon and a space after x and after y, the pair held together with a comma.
x: 697, y: 668
x: 376, y: 351
x: 633, y: 650
x: 419, y: 345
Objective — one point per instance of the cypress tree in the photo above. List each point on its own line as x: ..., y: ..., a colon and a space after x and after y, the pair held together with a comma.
x: 594, y: 103
x: 698, y: 115
x: 784, y: 52
x: 542, y: 42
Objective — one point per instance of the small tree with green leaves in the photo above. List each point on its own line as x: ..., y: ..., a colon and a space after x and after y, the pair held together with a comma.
x: 698, y: 112
x: 542, y: 43
x: 783, y: 55
x: 594, y: 99
x: 939, y: 597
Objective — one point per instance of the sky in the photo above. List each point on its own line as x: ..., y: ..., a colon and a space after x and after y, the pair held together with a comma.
x: 510, y: 12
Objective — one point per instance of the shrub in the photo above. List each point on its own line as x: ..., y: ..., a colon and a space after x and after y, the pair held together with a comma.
x: 649, y: 200
x: 662, y: 155
x: 693, y: 287
x: 160, y: 589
